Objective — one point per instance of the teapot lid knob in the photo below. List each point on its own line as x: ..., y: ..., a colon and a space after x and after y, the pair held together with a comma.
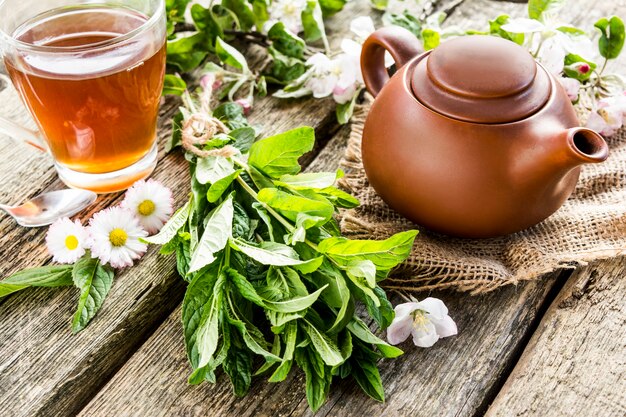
x: 481, y: 79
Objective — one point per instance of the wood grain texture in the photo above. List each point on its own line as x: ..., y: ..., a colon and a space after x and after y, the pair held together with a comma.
x: 575, y: 363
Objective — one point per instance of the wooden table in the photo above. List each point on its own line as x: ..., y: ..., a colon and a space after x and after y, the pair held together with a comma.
x: 552, y: 347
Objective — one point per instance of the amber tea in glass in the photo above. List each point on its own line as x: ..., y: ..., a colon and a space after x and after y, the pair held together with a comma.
x: 91, y: 75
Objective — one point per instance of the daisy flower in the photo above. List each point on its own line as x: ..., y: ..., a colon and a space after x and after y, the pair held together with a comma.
x: 66, y: 240
x: 115, y: 235
x: 151, y: 202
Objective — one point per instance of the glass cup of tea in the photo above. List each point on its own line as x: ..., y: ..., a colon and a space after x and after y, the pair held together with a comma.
x: 91, y: 75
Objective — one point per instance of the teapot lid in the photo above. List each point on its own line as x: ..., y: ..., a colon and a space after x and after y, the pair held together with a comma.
x: 481, y: 79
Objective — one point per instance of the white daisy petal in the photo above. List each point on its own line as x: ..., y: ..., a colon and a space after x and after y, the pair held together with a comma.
x: 67, y: 240
x: 115, y: 234
x: 151, y: 202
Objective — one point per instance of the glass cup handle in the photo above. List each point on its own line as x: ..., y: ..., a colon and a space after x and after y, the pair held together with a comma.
x: 17, y: 132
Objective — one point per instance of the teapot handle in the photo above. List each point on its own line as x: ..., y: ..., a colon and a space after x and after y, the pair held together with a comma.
x: 401, y: 44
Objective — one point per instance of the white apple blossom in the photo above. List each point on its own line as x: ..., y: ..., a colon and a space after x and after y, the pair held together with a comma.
x: 289, y: 12
x: 552, y: 44
x: 571, y: 87
x: 609, y: 116
x: 427, y: 321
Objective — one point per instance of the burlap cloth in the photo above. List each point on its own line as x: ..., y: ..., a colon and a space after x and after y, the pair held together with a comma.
x: 590, y: 226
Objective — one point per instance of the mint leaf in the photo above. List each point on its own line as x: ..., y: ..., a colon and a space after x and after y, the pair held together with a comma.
x: 197, y: 300
x: 94, y: 281
x: 291, y: 206
x: 361, y: 331
x: 217, y: 189
x: 46, y: 276
x: 385, y: 254
x: 271, y: 257
x: 309, y: 180
x: 213, y: 168
x: 326, y: 348
x: 216, y: 234
x: 278, y: 155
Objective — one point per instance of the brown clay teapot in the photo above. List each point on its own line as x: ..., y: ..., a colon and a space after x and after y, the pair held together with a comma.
x: 473, y: 138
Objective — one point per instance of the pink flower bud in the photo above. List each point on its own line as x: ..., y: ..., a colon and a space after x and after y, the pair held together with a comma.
x: 245, y: 105
x: 584, y: 68
x: 207, y: 80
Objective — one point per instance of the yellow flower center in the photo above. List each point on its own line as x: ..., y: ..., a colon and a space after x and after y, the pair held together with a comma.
x: 146, y: 208
x: 419, y: 319
x: 118, y: 237
x: 71, y: 242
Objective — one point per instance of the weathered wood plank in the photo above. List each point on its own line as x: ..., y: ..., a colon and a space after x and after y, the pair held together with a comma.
x: 44, y: 370
x: 574, y: 364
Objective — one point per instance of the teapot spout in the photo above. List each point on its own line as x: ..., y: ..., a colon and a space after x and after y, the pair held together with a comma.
x: 584, y: 146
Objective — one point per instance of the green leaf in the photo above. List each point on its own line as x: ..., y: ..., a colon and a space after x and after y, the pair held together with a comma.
x: 284, y: 69
x: 286, y: 42
x: 292, y: 305
x: 259, y: 9
x: 339, y: 198
x: 217, y: 189
x: 385, y: 254
x: 197, y: 302
x: 330, y: 7
x: 317, y: 386
x: 187, y: 53
x: 363, y: 268
x: 309, y: 180
x: 278, y: 155
x: 207, y: 331
x: 495, y: 28
x: 94, y: 281
x: 366, y: 374
x: 269, y: 255
x: 313, y: 22
x: 215, y: 237
x: 430, y: 38
x: 171, y: 228
x: 611, y: 39
x: 243, y: 11
x: 362, y: 332
x: 290, y: 205
x: 326, y: 348
x: 380, y: 4
x: 404, y: 19
x: 213, y: 168
x: 571, y: 30
x: 238, y: 367
x: 45, y: 276
x: 244, y: 138
x: 290, y: 337
x: 538, y: 8
x: 231, y: 114
x: 174, y: 85
x: 230, y: 56
x: 207, y: 23
x: 344, y: 111
x: 382, y: 311
x: 296, y: 304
